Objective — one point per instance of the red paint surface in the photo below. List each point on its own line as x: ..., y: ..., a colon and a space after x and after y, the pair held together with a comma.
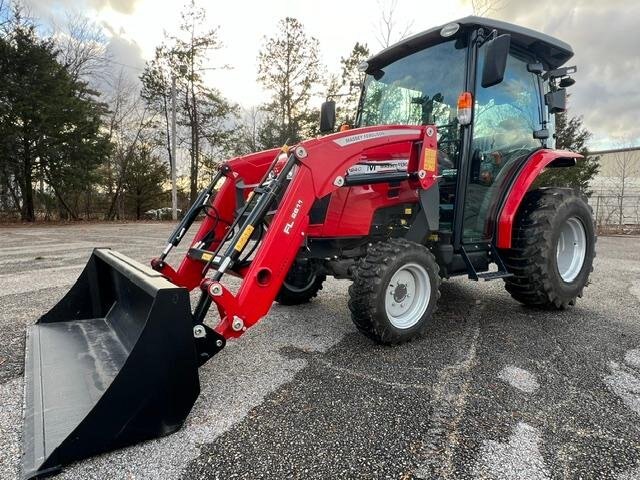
x: 534, y: 166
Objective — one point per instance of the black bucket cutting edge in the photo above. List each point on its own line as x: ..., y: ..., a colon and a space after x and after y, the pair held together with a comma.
x: 113, y: 363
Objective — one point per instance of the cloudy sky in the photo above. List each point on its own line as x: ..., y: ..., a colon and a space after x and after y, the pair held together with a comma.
x: 604, y: 35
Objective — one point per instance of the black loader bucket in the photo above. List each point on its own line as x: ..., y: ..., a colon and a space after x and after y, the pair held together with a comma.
x: 111, y: 364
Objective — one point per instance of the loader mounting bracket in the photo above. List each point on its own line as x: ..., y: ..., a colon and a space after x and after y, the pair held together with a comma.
x: 208, y: 345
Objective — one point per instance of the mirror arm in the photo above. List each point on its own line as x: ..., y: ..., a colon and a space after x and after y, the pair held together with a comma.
x: 482, y: 37
x: 559, y: 72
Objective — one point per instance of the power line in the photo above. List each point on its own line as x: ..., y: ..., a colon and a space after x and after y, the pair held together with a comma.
x: 124, y: 64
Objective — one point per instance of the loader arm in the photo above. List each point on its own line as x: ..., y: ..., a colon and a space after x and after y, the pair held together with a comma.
x: 311, y: 170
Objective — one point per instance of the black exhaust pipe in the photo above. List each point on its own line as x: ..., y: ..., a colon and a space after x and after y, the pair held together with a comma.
x: 113, y: 363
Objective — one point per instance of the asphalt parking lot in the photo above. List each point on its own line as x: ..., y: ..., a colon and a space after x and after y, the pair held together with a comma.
x: 494, y: 390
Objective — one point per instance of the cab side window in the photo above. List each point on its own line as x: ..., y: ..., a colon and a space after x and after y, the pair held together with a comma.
x: 505, y: 117
x: 507, y: 114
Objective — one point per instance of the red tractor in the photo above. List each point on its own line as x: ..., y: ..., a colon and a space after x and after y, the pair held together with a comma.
x: 454, y: 126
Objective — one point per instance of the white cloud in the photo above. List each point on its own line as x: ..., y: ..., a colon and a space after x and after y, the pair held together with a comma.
x: 604, y: 35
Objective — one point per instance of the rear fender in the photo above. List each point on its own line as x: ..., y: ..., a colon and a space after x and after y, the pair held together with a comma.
x: 536, y: 163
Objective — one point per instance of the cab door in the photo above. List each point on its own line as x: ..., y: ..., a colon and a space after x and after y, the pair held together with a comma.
x: 505, y: 118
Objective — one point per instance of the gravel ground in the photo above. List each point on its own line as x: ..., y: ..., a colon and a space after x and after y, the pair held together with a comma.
x: 494, y: 390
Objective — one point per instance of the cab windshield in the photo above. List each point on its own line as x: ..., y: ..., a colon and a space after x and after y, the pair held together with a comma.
x: 419, y: 89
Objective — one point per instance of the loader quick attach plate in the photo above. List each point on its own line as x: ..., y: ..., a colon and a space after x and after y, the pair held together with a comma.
x: 113, y: 363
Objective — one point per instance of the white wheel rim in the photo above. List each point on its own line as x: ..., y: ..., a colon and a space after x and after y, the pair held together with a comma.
x: 571, y: 249
x: 407, y: 295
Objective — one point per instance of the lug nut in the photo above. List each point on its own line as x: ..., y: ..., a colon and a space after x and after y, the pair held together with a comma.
x: 215, y: 289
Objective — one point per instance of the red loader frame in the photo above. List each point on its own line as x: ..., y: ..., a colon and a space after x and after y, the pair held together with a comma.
x: 315, y: 168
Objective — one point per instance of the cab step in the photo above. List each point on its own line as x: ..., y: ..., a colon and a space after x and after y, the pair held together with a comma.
x: 486, y: 276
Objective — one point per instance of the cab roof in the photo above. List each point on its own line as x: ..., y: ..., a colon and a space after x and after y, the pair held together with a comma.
x: 552, y: 52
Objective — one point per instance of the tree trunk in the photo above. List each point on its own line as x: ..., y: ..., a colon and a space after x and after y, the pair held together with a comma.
x: 169, y: 139
x: 28, y: 212
x: 14, y: 195
x: 621, y: 206
x: 138, y: 204
x: 195, y: 140
x: 112, y: 206
x: 194, y: 124
x: 87, y: 206
x: 64, y: 204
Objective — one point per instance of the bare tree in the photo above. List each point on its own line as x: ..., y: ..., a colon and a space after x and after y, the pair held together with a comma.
x: 389, y: 29
x: 13, y: 16
x: 128, y: 122
x: 83, y: 48
x: 4, y: 13
x: 485, y: 7
x: 626, y: 170
x: 248, y: 137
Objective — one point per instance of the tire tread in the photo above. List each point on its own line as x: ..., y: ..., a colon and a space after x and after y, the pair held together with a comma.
x: 367, y: 285
x: 532, y: 283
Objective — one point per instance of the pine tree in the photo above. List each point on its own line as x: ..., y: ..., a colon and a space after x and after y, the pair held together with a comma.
x: 289, y: 68
x: 202, y: 111
x: 570, y: 134
x: 50, y: 123
x: 346, y: 88
x: 143, y: 185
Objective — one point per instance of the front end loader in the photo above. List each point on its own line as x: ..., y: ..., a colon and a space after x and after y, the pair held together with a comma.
x: 437, y: 179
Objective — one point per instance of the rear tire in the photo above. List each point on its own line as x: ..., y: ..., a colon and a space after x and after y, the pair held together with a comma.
x: 394, y: 291
x: 302, y: 283
x: 553, y: 248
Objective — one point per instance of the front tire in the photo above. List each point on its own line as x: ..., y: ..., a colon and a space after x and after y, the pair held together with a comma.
x: 302, y: 283
x: 552, y: 250
x: 395, y: 291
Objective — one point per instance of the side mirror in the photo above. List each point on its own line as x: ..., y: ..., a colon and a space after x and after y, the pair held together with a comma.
x: 495, y: 60
x: 328, y: 116
x: 556, y: 101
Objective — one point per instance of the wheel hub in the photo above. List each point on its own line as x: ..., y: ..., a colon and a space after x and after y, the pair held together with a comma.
x: 300, y: 278
x: 571, y: 249
x: 407, y: 296
x: 400, y: 292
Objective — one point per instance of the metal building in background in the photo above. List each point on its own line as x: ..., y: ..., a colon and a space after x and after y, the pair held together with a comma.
x: 616, y: 190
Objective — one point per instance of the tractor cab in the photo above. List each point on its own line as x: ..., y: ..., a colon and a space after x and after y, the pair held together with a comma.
x: 491, y: 89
